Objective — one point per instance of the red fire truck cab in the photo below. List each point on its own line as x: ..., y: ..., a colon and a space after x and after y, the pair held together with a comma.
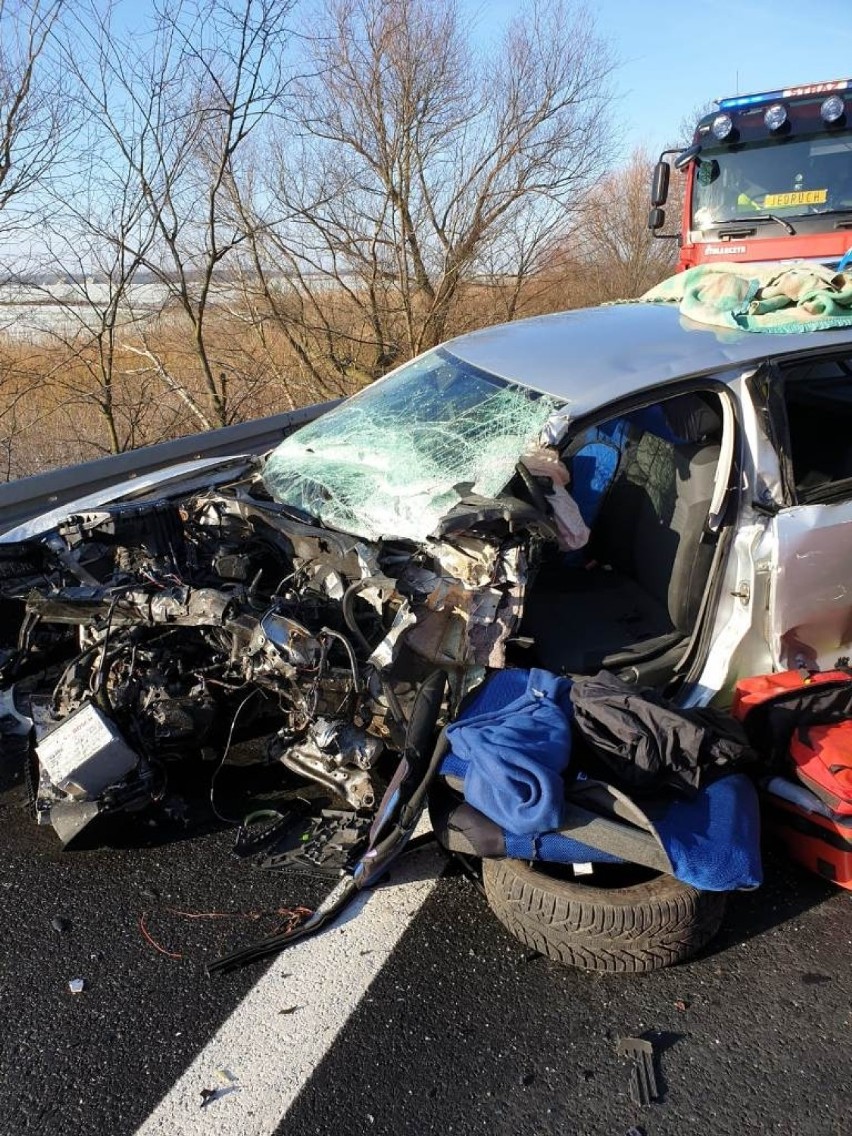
x: 768, y: 177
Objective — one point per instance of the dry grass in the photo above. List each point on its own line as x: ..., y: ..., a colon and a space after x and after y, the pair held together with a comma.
x: 63, y: 402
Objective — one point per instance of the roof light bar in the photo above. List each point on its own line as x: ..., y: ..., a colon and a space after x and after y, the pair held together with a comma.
x: 748, y: 100
x: 740, y: 101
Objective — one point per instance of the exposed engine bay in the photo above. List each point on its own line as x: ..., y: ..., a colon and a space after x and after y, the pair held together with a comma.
x: 156, y: 630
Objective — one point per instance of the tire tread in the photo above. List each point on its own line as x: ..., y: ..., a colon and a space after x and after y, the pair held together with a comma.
x: 640, y: 928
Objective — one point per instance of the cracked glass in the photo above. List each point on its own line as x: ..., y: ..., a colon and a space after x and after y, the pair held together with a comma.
x: 393, y: 459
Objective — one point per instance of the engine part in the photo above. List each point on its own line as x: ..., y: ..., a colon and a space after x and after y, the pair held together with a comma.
x: 85, y: 754
x: 337, y: 754
x: 286, y: 645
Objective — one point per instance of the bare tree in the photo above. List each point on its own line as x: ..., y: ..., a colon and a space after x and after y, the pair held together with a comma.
x: 174, y: 105
x: 418, y: 167
x: 21, y: 409
x: 33, y: 113
x: 611, y: 254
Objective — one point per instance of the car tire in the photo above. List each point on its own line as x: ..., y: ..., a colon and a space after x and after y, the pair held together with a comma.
x: 644, y: 926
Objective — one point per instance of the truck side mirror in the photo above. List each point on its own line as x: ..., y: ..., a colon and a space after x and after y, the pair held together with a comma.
x: 656, y: 218
x: 686, y: 156
x: 660, y: 184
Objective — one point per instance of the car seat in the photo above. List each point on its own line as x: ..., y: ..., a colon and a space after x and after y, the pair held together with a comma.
x: 649, y: 554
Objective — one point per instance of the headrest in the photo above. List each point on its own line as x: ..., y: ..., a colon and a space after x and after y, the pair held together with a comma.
x: 693, y: 417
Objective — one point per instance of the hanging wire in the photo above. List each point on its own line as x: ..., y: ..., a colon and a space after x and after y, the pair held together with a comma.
x: 218, y: 769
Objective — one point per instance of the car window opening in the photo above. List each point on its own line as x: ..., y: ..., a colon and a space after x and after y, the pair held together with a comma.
x: 630, y: 600
x: 818, y: 400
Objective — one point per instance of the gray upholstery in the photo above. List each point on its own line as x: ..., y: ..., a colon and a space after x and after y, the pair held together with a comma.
x: 643, y: 598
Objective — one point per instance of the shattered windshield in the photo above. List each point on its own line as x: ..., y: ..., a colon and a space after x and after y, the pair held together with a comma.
x: 392, y: 460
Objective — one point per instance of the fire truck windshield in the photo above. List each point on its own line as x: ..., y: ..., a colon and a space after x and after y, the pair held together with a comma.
x: 794, y: 177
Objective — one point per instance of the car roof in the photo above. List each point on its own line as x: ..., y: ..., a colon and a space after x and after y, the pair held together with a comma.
x: 592, y: 356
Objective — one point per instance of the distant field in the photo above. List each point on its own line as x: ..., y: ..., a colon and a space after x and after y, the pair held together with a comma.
x: 42, y: 312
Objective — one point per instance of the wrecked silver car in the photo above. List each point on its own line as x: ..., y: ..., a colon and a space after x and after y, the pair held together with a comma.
x: 618, y: 489
x: 308, y: 599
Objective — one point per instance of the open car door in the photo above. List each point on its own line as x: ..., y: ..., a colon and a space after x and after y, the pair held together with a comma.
x: 811, y: 596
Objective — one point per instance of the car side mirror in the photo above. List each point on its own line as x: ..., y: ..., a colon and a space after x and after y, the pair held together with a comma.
x: 656, y: 218
x: 660, y: 184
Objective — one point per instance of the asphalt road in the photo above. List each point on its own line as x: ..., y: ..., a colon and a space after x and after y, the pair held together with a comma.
x: 460, y: 1031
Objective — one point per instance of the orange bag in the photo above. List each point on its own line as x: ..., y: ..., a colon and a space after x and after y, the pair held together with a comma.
x: 817, y: 842
x: 822, y: 756
x: 751, y: 692
x: 773, y: 707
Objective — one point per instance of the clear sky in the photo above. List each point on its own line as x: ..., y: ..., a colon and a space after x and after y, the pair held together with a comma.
x: 678, y: 55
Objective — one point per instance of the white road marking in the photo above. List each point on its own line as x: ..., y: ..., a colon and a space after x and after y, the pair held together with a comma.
x: 261, y: 1058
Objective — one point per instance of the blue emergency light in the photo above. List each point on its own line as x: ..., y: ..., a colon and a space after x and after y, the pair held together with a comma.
x: 740, y: 101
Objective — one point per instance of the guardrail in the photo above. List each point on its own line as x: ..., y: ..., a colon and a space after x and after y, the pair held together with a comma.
x: 26, y: 498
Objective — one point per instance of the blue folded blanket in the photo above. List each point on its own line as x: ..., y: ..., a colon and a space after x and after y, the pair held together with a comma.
x: 516, y: 750
x: 511, y: 745
x: 713, y: 840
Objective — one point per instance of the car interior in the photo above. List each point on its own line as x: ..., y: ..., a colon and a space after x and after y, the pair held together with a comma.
x: 630, y: 600
x: 818, y: 399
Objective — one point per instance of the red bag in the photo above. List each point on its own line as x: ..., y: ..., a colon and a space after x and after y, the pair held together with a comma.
x: 751, y: 692
x: 817, y: 842
x: 823, y: 762
x: 773, y: 707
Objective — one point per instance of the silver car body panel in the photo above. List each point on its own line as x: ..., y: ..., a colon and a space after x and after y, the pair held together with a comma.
x: 180, y: 478
x: 595, y: 356
x: 811, y: 596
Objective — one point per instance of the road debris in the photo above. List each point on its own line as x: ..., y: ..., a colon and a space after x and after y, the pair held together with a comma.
x: 146, y: 935
x: 643, y: 1081
x: 227, y: 1084
x: 77, y: 985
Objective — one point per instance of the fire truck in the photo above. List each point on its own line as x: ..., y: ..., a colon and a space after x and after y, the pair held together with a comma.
x: 768, y: 177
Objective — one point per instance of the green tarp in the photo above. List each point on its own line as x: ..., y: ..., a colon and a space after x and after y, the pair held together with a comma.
x: 760, y: 297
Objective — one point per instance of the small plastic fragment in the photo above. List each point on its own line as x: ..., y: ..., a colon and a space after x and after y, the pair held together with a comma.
x: 12, y: 722
x: 227, y: 1084
x: 77, y: 985
x: 643, y: 1081
x: 60, y: 924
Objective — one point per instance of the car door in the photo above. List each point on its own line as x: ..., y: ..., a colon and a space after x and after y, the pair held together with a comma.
x: 810, y: 609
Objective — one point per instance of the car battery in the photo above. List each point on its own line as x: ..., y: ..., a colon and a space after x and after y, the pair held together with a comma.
x: 85, y: 754
x: 811, y: 834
